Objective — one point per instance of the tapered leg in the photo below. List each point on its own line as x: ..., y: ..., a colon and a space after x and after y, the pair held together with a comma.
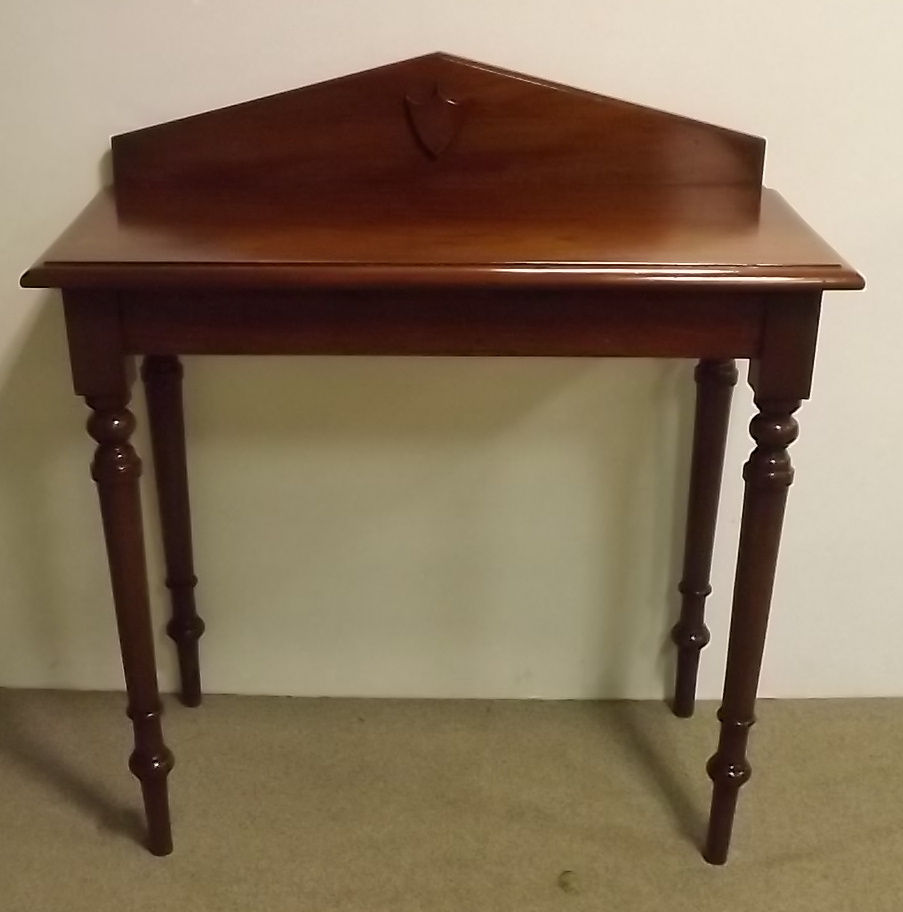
x: 163, y: 387
x: 116, y: 469
x: 768, y: 475
x: 715, y: 381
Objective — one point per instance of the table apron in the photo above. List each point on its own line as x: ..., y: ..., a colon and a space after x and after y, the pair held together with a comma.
x: 566, y: 325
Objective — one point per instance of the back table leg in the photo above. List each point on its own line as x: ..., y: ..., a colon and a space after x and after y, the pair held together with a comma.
x: 162, y: 377
x: 715, y: 381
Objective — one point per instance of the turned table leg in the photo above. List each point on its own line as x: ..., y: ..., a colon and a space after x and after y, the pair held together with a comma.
x: 715, y: 381
x: 116, y: 469
x: 768, y: 474
x: 162, y: 377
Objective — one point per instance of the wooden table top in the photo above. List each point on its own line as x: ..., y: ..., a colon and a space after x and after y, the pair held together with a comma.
x: 689, y: 235
x: 438, y: 172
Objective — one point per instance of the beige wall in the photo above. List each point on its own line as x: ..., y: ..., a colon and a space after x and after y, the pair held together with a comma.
x: 469, y: 527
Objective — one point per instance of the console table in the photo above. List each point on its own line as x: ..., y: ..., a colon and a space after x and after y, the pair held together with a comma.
x: 439, y: 206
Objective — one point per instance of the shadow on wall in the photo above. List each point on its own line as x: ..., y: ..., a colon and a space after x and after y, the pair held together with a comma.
x: 650, y: 543
x: 416, y: 476
x: 469, y: 489
x: 58, y: 622
x: 39, y: 426
x: 59, y: 627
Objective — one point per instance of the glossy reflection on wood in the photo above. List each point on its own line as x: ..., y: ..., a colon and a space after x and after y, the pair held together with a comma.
x: 162, y: 377
x: 768, y: 475
x: 439, y: 206
x: 715, y: 381
x: 116, y: 469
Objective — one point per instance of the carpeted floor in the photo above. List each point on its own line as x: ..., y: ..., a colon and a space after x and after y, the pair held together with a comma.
x: 369, y: 805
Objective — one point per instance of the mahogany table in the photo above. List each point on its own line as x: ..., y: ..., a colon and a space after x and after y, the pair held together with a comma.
x: 441, y: 207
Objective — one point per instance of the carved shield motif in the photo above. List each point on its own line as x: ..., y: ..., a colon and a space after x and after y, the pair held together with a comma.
x: 435, y: 120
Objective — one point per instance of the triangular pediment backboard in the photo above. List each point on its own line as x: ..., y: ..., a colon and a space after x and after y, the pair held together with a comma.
x: 434, y: 121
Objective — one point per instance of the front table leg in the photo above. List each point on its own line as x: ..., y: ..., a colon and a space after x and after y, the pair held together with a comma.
x: 768, y: 475
x: 116, y: 469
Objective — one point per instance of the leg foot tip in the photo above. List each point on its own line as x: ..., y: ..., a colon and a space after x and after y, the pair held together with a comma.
x: 160, y: 849
x: 191, y: 700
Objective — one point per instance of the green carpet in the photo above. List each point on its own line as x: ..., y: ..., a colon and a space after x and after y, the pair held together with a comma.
x: 369, y: 805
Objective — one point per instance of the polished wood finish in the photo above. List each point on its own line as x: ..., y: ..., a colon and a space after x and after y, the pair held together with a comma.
x: 441, y: 207
x: 311, y: 138
x: 539, y: 238
x: 162, y: 377
x: 768, y: 474
x: 536, y: 185
x: 116, y: 469
x: 715, y: 381
x: 626, y: 324
x: 103, y: 374
x: 780, y: 377
x: 435, y: 119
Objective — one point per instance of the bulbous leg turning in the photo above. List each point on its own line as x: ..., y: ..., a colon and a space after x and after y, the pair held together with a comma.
x: 116, y: 469
x: 163, y: 390
x: 715, y: 381
x: 768, y: 475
